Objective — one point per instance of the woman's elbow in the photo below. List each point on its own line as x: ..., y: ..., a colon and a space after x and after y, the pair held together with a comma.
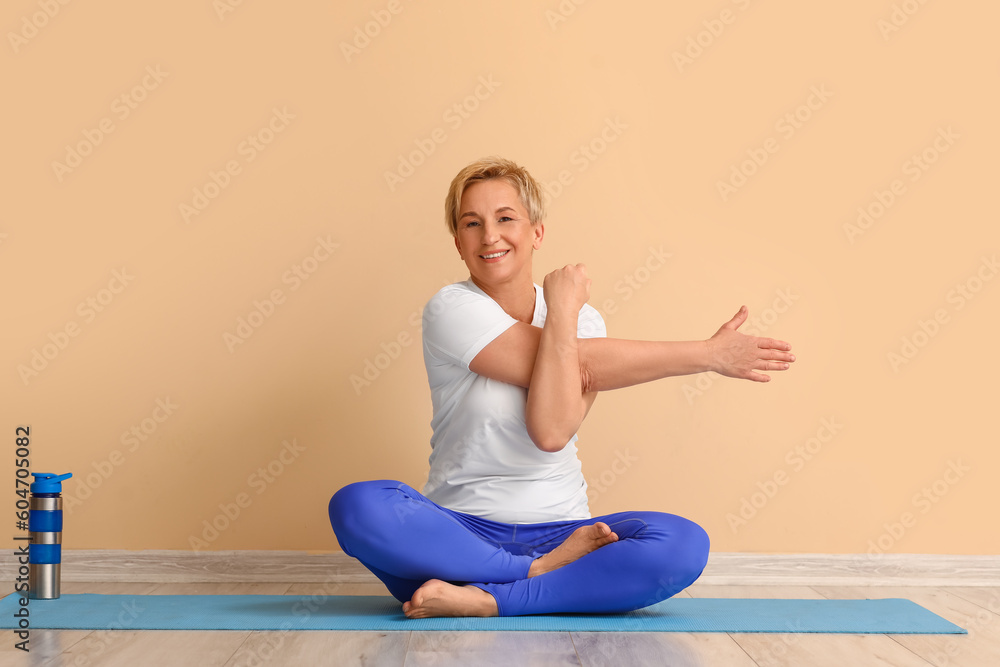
x: 550, y: 446
x: 549, y: 441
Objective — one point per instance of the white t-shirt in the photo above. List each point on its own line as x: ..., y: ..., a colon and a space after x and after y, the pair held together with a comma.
x: 482, y: 461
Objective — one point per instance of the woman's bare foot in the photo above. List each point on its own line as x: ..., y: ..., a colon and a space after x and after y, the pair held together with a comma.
x: 439, y: 598
x: 583, y: 540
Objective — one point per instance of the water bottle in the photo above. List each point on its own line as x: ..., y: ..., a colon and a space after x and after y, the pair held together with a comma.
x: 45, y: 520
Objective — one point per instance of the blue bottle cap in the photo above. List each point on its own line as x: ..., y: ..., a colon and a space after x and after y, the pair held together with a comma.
x: 46, y: 482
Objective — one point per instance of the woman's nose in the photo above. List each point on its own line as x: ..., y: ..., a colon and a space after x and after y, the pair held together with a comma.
x: 491, y: 233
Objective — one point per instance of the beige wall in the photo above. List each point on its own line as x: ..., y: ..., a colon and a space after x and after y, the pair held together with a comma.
x: 154, y: 293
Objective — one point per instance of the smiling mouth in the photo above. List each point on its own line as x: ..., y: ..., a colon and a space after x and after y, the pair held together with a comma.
x: 495, y: 255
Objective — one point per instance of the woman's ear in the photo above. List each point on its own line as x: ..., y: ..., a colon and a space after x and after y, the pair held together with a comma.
x: 539, y: 232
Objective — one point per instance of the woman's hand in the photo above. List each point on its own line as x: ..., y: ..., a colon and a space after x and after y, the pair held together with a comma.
x: 738, y: 355
x: 568, y: 287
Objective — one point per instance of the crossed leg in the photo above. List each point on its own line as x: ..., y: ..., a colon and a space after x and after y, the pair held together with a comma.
x: 440, y: 598
x: 435, y: 560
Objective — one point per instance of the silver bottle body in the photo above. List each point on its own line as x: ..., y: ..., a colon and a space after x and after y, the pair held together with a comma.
x: 44, y: 578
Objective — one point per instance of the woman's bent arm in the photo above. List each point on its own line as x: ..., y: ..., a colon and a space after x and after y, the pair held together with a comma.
x: 557, y: 404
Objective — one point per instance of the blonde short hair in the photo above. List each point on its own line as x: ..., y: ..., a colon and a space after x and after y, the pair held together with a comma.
x: 486, y: 169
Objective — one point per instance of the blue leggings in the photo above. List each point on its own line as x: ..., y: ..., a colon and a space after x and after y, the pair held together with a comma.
x: 406, y: 539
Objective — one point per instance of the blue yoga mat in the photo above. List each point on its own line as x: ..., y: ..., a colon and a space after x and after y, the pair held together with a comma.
x: 383, y: 613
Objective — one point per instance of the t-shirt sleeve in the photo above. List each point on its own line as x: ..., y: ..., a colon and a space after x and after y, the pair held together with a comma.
x: 590, y: 324
x: 458, y: 323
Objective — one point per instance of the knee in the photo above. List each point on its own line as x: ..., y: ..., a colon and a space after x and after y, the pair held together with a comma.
x: 353, y: 505
x: 693, y: 548
x: 684, y: 554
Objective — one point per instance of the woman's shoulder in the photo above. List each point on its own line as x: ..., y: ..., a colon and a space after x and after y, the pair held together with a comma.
x: 450, y: 293
x: 457, y: 295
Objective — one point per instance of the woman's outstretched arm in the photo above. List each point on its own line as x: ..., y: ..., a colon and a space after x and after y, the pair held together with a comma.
x: 562, y: 399
x: 612, y: 364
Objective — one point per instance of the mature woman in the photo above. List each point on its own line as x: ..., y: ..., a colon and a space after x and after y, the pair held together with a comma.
x: 502, y: 526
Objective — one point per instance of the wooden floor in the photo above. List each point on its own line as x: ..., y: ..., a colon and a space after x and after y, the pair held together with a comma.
x: 977, y: 609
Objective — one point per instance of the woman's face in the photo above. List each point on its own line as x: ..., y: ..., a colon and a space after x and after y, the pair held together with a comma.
x: 495, y: 236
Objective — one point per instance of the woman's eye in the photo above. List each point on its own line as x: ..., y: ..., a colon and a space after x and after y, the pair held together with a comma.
x: 505, y: 218
x: 471, y: 223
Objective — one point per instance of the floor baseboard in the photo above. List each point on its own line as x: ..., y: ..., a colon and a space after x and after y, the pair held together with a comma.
x: 80, y: 565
